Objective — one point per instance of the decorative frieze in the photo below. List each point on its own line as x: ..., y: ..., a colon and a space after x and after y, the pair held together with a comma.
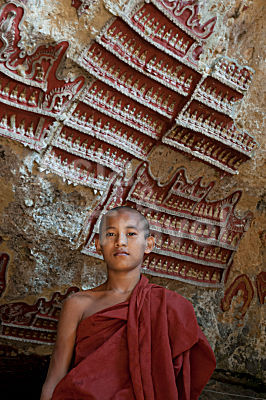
x: 77, y: 170
x: 113, y: 103
x: 186, y: 15
x: 122, y: 41
x: 205, y: 148
x: 232, y: 74
x: 35, y: 323
x: 26, y: 127
x: 42, y: 66
x: 191, y: 233
x: 106, y: 67
x: 94, y: 123
x: 218, y: 96
x: 217, y: 126
x: 161, y: 32
x: 91, y: 149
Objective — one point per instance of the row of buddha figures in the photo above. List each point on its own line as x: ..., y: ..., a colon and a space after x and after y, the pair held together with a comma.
x: 216, y: 126
x: 31, y: 129
x: 36, y: 323
x: 189, y: 228
x: 108, y: 130
x: 119, y: 106
x: 130, y: 82
x: 216, y: 153
x: 163, y: 30
x: 158, y: 265
x: 182, y: 247
x: 220, y: 97
x: 77, y: 170
x: 18, y: 92
x: 92, y: 149
x: 34, y: 99
x: 144, y: 57
x: 215, y: 211
x: 229, y: 72
x: 20, y: 127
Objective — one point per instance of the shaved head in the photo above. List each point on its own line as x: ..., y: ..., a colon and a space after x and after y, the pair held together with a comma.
x: 121, y: 209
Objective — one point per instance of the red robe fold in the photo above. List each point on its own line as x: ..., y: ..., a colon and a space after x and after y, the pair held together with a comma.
x: 147, y: 348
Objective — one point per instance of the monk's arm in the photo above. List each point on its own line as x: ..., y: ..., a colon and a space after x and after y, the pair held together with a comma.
x: 62, y: 354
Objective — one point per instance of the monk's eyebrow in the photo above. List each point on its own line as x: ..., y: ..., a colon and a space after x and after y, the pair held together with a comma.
x: 127, y: 227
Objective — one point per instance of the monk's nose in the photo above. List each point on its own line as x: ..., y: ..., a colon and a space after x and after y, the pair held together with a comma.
x: 121, y: 240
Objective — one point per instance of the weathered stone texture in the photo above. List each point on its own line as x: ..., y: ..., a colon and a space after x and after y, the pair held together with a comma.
x: 43, y: 219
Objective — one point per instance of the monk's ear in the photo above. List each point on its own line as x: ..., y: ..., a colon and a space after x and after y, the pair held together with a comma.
x: 150, y: 243
x: 98, y: 245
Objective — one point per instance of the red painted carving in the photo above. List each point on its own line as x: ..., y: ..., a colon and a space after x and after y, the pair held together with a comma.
x: 129, y: 47
x: 4, y: 260
x: 186, y: 14
x: 32, y: 323
x: 159, y: 30
x: 241, y: 286
x: 141, y: 82
x: 27, y: 127
x: 115, y: 104
x: 78, y: 170
x: 106, y: 67
x: 82, y: 5
x: 38, y: 68
x: 195, y: 238
x: 261, y: 286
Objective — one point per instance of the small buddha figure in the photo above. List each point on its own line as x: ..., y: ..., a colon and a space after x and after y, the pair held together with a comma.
x: 143, y: 57
x: 14, y: 93
x: 188, y: 82
x: 76, y: 143
x: 21, y: 127
x: 129, y: 81
x: 90, y: 120
x: 40, y: 73
x: 173, y: 40
x: 6, y: 90
x: 22, y: 97
x: 32, y: 99
x: 111, y: 31
x: 143, y: 88
x: 30, y: 130
x: 160, y: 31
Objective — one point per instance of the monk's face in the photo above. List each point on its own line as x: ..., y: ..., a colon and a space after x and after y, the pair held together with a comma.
x: 122, y: 240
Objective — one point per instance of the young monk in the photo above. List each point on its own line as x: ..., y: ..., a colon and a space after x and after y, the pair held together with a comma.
x: 131, y: 339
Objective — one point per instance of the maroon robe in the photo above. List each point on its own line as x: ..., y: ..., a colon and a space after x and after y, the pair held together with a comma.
x: 147, y: 348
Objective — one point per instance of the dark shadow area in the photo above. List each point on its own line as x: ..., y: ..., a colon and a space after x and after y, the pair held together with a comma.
x: 22, y: 376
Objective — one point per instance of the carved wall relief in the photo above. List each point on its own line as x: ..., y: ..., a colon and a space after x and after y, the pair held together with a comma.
x: 142, y: 86
x: 243, y: 289
x: 35, y: 323
x: 195, y: 238
x: 261, y: 286
x: 4, y: 260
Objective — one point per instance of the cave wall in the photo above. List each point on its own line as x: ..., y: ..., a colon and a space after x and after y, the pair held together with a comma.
x: 47, y: 218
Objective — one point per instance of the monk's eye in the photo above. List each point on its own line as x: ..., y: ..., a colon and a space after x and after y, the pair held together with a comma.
x: 109, y: 234
x: 132, y: 234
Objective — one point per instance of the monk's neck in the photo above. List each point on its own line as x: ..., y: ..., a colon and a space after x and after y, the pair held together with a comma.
x: 122, y: 282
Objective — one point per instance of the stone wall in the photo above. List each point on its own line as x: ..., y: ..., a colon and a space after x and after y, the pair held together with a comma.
x: 46, y: 219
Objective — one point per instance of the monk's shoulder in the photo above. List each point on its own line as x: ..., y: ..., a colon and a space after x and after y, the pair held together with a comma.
x: 83, y: 297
